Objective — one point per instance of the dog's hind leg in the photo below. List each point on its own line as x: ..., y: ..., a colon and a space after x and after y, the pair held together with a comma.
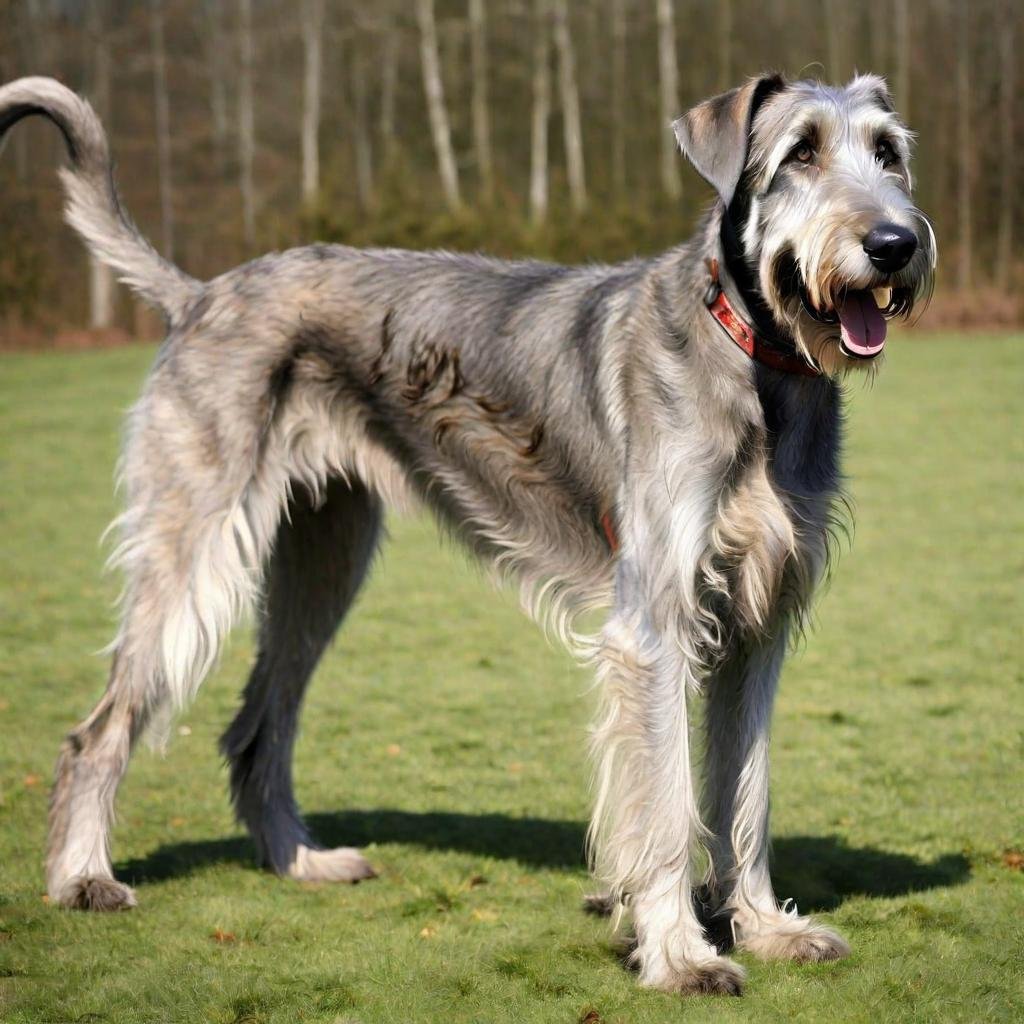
x: 202, y: 508
x: 740, y: 698
x: 320, y: 558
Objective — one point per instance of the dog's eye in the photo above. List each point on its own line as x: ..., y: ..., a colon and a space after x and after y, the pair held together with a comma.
x: 802, y: 152
x: 885, y: 153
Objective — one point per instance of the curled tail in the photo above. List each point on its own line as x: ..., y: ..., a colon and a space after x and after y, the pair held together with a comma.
x: 93, y: 207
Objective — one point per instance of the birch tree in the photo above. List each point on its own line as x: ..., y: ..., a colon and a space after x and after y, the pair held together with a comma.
x: 162, y: 123
x: 902, y: 42
x: 246, y: 122
x: 668, y: 79
x: 101, y: 278
x: 879, y: 31
x: 541, y: 111
x: 388, y: 86
x: 965, y: 225
x: 481, y: 110
x: 836, y: 31
x: 618, y: 19
x: 361, y: 129
x: 438, y: 112
x: 570, y: 97
x: 725, y: 30
x: 213, y: 34
x: 1007, y: 150
x: 312, y: 36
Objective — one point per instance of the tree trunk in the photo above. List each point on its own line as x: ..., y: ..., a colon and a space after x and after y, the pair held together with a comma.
x: 361, y: 129
x: 481, y: 110
x: 312, y: 36
x: 218, y: 88
x: 618, y: 96
x: 162, y: 124
x: 963, y: 118
x: 570, y: 97
x: 246, y: 123
x: 1007, y: 152
x: 879, y: 32
x: 835, y: 29
x: 101, y: 278
x: 902, y: 41
x: 726, y: 27
x: 388, y: 88
x: 434, y: 89
x: 541, y: 111
x: 668, y: 77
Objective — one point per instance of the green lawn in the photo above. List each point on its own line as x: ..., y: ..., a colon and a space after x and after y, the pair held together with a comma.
x: 456, y: 755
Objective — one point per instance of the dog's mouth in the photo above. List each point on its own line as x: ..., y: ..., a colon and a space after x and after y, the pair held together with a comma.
x: 861, y: 314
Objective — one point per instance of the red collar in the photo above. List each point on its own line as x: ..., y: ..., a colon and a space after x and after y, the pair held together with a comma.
x: 742, y: 333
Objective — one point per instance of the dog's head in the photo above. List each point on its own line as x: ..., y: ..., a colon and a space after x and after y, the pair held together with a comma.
x: 816, y: 182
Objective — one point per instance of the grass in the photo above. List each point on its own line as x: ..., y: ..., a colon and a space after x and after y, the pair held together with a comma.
x: 455, y: 754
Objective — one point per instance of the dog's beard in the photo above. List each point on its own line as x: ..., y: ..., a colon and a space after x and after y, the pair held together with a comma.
x: 835, y: 325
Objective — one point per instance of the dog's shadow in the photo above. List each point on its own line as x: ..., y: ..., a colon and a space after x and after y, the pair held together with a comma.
x: 819, y: 872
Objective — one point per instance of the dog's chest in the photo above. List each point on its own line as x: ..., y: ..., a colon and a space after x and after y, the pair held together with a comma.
x: 769, y: 540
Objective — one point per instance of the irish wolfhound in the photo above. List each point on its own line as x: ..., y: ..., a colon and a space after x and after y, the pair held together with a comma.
x: 661, y: 436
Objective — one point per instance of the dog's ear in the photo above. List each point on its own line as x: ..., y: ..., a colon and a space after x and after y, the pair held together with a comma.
x: 877, y: 90
x: 715, y: 134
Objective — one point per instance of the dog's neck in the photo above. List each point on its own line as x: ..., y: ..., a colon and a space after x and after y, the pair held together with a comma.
x: 728, y: 237
x: 733, y: 299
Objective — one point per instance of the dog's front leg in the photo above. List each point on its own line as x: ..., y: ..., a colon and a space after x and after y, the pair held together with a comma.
x: 740, y: 697
x: 646, y: 821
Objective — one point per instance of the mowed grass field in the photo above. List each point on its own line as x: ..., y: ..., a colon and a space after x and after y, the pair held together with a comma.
x: 446, y: 736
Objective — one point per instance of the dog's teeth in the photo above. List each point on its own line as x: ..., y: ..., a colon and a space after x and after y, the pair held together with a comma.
x: 882, y: 296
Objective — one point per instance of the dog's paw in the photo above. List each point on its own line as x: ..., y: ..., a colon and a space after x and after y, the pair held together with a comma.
x: 343, y: 864
x: 101, y: 894
x: 600, y: 904
x: 718, y: 976
x: 803, y: 942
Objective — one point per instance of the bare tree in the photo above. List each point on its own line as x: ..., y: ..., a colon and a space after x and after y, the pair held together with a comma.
x: 361, y: 128
x: 246, y: 122
x: 668, y: 77
x: 213, y: 35
x: 388, y: 85
x: 481, y: 111
x: 618, y: 18
x: 836, y: 30
x: 312, y: 36
x: 726, y: 27
x: 1007, y: 150
x: 436, y: 108
x: 963, y: 121
x: 101, y: 278
x: 162, y: 123
x: 541, y: 111
x: 902, y: 42
x: 570, y: 96
x: 879, y: 31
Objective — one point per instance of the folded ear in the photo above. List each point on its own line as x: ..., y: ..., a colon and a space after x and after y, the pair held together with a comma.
x: 715, y: 134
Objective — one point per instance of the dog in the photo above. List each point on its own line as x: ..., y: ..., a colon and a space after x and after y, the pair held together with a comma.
x: 660, y: 437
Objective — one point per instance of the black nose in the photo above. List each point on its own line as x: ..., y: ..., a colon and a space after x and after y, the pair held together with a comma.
x: 889, y: 247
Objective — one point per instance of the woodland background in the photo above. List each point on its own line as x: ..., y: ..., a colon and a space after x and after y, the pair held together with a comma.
x: 533, y: 127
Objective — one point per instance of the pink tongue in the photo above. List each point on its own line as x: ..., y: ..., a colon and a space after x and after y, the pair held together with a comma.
x: 862, y: 324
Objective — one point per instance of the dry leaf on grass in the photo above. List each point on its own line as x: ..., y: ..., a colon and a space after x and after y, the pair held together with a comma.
x: 1014, y: 860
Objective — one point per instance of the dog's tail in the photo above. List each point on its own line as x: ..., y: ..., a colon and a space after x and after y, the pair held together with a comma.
x: 93, y: 207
